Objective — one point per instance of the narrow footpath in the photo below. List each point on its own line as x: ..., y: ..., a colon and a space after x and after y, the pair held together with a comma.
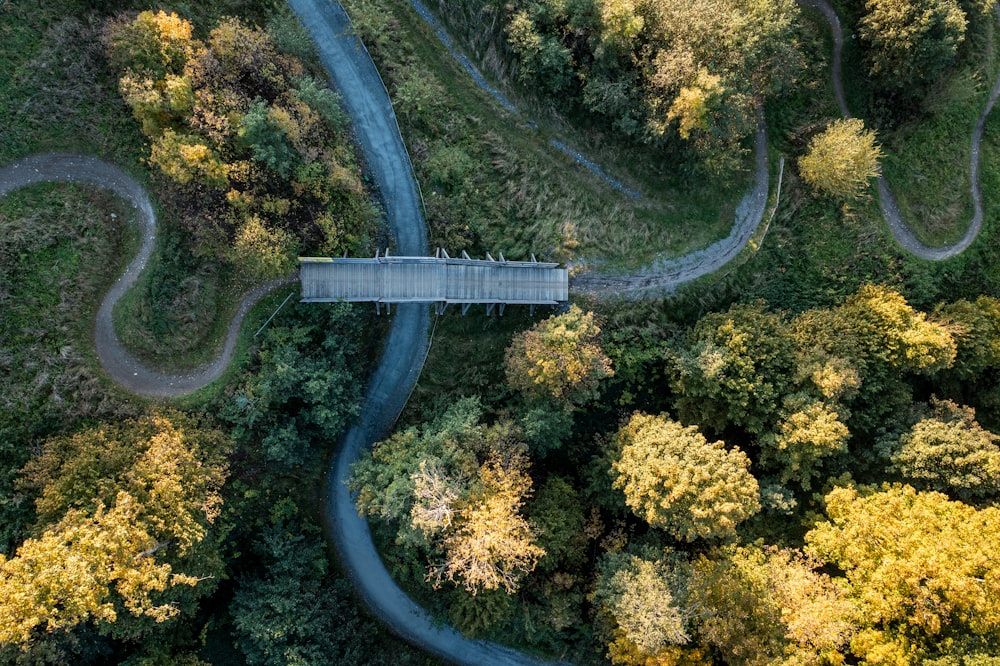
x: 901, y: 231
x: 122, y: 367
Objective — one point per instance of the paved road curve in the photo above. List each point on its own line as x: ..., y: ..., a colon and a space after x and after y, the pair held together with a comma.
x: 122, y: 367
x: 366, y: 100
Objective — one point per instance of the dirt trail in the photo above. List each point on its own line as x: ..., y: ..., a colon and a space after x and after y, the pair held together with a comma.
x: 123, y: 368
x: 662, y: 276
x: 901, y: 231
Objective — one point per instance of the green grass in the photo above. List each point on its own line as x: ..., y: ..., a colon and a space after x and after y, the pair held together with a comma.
x: 466, y: 359
x: 55, y: 92
x: 177, y: 314
x: 927, y: 163
x: 490, y: 183
x: 245, y: 346
x: 59, y: 251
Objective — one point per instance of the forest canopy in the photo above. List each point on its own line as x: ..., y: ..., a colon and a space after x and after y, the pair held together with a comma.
x: 252, y: 147
x: 658, y: 70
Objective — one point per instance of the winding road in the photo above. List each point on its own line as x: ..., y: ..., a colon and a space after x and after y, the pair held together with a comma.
x: 890, y: 209
x: 122, y: 367
x: 365, y: 98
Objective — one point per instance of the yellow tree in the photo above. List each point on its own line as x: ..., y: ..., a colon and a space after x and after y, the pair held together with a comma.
x: 889, y: 330
x: 77, y: 568
x: 692, y: 105
x: 636, y: 597
x: 186, y: 157
x: 841, y: 159
x: 152, y: 44
x: 492, y: 545
x: 804, y: 436
x: 951, y: 453
x: 559, y: 358
x: 922, y: 569
x: 675, y: 479
x: 124, y: 519
x: 761, y: 605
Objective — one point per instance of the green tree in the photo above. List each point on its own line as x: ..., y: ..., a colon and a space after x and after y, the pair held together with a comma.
x: 545, y: 429
x: 453, y: 490
x: 639, y: 598
x: 911, y: 41
x: 559, y: 358
x: 842, y: 159
x: 734, y: 368
x: 541, y: 57
x: 303, y: 395
x: 641, y: 65
x: 951, y: 453
x: 261, y: 128
x: 975, y: 326
x: 674, y: 479
x: 921, y: 568
x: 557, y: 512
x: 290, y: 613
x: 385, y: 479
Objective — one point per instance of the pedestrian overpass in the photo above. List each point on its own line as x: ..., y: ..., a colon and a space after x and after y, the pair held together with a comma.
x: 442, y: 280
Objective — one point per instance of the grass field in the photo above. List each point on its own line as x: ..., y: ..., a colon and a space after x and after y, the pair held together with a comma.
x: 60, y: 248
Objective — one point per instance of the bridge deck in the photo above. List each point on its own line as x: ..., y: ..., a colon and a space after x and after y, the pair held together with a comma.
x: 432, y: 280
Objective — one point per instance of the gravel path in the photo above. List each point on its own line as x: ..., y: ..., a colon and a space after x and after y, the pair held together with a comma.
x: 122, y: 367
x: 663, y: 276
x: 901, y: 231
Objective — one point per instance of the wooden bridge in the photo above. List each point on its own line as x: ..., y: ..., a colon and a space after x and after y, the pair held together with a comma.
x: 439, y: 279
